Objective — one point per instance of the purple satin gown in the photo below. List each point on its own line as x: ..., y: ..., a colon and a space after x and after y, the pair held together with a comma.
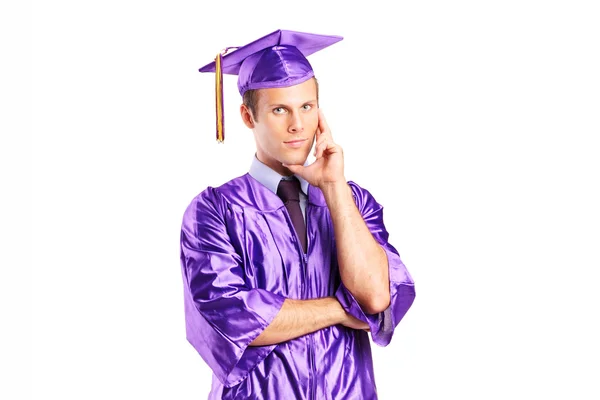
x: 241, y: 258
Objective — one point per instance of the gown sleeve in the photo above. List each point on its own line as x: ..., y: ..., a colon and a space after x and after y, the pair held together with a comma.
x: 402, y: 289
x: 222, y: 314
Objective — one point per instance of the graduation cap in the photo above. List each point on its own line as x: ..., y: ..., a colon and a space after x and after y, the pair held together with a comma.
x: 273, y: 61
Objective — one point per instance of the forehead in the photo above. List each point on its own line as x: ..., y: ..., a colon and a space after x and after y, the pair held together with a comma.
x: 297, y: 94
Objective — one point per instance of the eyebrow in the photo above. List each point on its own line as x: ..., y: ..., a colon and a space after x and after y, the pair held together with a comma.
x: 287, y: 106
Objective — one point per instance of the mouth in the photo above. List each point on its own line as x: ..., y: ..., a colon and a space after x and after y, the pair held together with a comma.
x: 295, y: 144
x: 295, y: 141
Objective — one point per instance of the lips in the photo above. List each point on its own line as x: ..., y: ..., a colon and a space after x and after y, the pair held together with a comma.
x: 295, y: 141
x: 295, y: 144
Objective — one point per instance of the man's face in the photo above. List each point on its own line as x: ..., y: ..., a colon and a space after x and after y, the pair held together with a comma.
x: 285, y: 125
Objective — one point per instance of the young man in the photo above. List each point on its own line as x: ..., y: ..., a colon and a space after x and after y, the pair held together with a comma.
x: 287, y: 268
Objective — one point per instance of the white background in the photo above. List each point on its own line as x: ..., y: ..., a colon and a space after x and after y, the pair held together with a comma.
x: 472, y: 122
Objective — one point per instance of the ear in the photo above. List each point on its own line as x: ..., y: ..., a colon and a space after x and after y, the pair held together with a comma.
x: 247, y: 116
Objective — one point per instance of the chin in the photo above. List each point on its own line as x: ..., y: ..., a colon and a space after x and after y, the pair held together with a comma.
x: 296, y: 158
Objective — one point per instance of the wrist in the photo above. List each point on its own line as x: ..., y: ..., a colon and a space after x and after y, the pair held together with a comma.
x: 338, y: 312
x: 335, y: 190
x: 333, y: 184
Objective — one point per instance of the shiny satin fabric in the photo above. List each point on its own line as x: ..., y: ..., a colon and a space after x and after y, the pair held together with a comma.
x: 277, y: 66
x: 241, y: 258
x: 277, y: 59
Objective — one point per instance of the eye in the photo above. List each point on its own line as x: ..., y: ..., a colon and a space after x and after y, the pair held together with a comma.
x: 279, y: 110
x: 307, y: 107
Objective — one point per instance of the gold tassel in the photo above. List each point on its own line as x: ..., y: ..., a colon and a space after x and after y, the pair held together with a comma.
x: 219, y: 99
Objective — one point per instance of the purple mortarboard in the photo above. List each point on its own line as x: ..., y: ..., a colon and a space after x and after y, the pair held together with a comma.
x: 275, y: 60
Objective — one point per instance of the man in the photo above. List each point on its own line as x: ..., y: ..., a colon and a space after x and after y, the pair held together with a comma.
x: 287, y: 267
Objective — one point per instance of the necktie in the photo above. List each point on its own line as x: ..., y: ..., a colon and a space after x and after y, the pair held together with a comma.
x: 289, y: 192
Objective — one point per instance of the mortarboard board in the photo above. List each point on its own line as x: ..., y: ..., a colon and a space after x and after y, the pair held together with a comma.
x: 275, y: 60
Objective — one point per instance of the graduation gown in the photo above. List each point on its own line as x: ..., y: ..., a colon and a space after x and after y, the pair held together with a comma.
x: 241, y: 258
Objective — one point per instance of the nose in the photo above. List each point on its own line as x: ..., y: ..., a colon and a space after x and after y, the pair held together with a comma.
x: 296, y: 124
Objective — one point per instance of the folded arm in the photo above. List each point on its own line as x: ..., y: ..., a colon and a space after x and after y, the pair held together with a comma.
x: 300, y: 317
x: 362, y: 261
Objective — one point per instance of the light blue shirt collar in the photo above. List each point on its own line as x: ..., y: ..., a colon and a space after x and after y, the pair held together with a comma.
x: 270, y: 178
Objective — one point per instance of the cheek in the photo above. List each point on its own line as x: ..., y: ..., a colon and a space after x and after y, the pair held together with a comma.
x: 271, y: 121
x: 271, y: 129
x: 312, y: 122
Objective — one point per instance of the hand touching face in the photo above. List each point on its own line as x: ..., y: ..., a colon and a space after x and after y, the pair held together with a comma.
x: 328, y: 167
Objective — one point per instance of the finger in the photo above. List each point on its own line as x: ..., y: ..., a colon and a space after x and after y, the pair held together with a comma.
x: 305, y: 172
x: 319, y: 143
x: 323, y: 126
x: 318, y: 152
x: 327, y: 146
x: 315, y: 140
x: 321, y: 140
x: 296, y: 169
x: 321, y: 148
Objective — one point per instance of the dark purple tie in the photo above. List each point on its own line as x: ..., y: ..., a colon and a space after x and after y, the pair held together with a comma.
x: 289, y: 192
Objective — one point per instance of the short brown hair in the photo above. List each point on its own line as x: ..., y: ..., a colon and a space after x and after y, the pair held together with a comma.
x: 250, y: 98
